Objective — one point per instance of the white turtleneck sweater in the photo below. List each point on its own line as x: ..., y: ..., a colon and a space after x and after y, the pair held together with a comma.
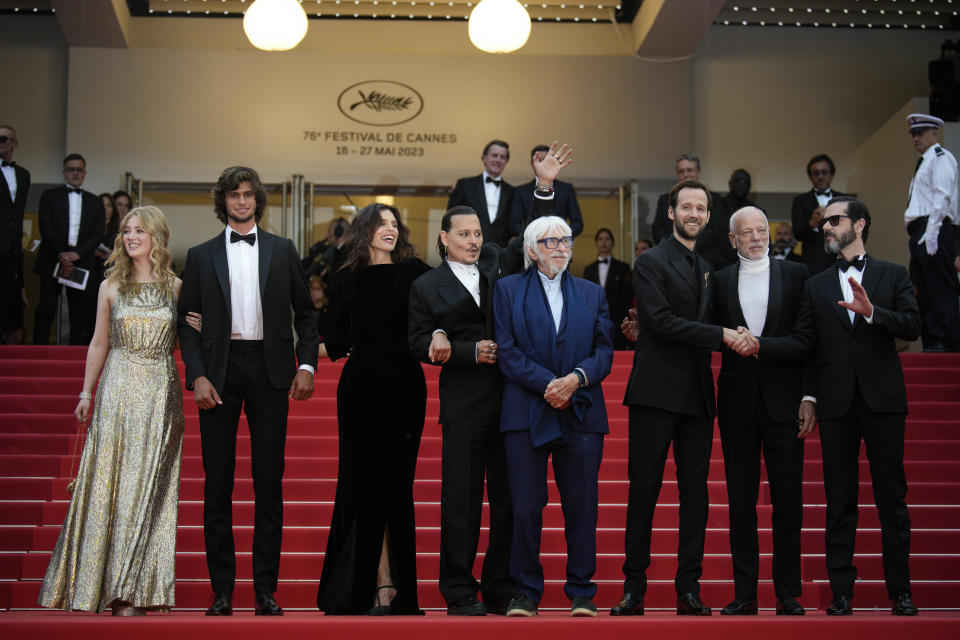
x: 754, y: 290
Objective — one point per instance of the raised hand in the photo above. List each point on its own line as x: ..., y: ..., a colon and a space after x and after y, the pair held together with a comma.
x: 861, y: 302
x: 549, y: 168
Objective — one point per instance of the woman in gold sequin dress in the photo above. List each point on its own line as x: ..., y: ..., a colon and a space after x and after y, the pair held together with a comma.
x: 116, y: 547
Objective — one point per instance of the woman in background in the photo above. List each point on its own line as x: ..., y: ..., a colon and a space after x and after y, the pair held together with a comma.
x: 116, y: 547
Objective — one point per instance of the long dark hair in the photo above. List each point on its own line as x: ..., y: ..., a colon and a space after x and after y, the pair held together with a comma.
x: 229, y: 180
x: 113, y: 226
x: 447, y: 221
x: 364, y: 225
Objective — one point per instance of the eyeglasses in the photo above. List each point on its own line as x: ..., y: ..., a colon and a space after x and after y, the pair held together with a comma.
x: 831, y: 220
x: 3, y: 139
x: 553, y: 243
x: 821, y: 172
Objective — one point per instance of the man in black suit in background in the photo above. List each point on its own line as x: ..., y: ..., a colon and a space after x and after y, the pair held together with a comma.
x: 807, y: 210
x: 687, y: 167
x: 488, y: 193
x: 670, y: 397
x: 565, y: 203
x: 71, y: 222
x: 757, y: 403
x: 244, y: 283
x: 851, y: 315
x: 14, y: 185
x: 616, y: 279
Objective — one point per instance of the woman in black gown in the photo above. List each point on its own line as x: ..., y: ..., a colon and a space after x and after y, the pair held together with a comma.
x: 370, y: 563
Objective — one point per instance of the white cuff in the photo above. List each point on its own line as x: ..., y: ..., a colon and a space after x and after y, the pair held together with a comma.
x: 306, y: 367
x: 436, y: 331
x: 808, y: 398
x: 539, y: 197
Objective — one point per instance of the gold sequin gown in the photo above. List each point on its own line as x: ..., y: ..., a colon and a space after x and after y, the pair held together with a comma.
x: 119, y: 537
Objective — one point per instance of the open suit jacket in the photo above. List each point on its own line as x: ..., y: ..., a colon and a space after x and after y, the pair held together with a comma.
x: 863, y: 355
x: 672, y: 360
x: 438, y: 300
x: 206, y: 290
x: 11, y: 211
x: 470, y: 192
x: 775, y: 376
x: 54, y: 222
x: 565, y: 206
x: 813, y: 255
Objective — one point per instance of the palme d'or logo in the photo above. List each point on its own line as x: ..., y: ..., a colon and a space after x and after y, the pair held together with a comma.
x: 380, y: 103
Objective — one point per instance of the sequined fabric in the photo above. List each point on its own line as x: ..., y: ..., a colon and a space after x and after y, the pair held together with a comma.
x: 119, y: 536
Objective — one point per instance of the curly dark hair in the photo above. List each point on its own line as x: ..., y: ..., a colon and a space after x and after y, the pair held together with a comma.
x: 364, y: 225
x: 228, y: 181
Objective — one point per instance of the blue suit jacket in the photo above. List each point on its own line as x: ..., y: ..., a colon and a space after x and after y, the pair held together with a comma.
x: 527, y: 353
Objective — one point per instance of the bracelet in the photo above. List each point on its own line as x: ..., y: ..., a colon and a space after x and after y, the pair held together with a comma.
x: 86, y: 395
x: 540, y: 187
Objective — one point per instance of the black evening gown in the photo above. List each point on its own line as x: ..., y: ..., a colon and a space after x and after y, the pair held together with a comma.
x: 381, y: 401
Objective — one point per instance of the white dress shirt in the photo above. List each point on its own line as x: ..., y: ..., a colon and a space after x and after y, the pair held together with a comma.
x: 934, y: 193
x: 823, y: 198
x: 74, y: 207
x: 603, y: 268
x: 492, y: 191
x: 10, y: 174
x: 753, y: 288
x: 243, y: 262
x: 554, y: 296
x: 469, y: 277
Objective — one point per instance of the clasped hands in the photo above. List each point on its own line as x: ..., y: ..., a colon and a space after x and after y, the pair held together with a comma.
x: 742, y: 341
x: 560, y: 390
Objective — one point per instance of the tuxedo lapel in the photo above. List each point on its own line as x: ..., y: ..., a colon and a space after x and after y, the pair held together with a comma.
x: 682, y: 267
x: 774, y: 298
x: 733, y: 300
x: 264, y: 256
x: 705, y: 287
x: 5, y: 188
x: 219, y: 256
x: 834, y: 294
x: 503, y: 206
x: 872, y: 275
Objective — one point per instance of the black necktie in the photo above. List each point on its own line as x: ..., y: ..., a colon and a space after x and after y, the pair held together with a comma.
x: 495, y: 181
x: 73, y: 190
x: 8, y: 164
x: 856, y: 263
x: 603, y: 260
x: 919, y: 162
x: 825, y: 192
x: 250, y: 238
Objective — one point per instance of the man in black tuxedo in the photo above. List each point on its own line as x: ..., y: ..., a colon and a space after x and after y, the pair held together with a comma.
x: 783, y: 244
x: 71, y: 222
x: 14, y: 185
x: 850, y: 315
x: 757, y: 403
x: 565, y: 203
x: 244, y: 283
x: 616, y: 279
x: 488, y: 193
x: 670, y: 397
x: 687, y: 168
x: 807, y: 210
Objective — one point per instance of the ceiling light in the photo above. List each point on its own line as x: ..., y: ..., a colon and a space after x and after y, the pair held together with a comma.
x: 499, y: 26
x: 275, y: 25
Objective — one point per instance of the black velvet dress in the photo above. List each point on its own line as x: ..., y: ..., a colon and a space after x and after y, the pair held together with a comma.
x: 381, y: 401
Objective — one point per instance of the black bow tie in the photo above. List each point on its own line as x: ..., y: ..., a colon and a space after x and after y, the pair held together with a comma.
x: 250, y: 238
x: 825, y: 192
x: 73, y: 190
x: 8, y: 164
x: 856, y: 263
x: 603, y: 260
x: 495, y: 181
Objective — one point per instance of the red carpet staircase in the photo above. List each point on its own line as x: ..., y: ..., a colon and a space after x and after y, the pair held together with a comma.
x: 38, y: 391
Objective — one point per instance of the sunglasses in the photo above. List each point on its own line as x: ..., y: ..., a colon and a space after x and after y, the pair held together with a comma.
x: 553, y: 243
x: 3, y: 139
x: 831, y: 220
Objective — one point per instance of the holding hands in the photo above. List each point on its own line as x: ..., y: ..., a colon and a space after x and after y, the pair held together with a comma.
x: 742, y: 341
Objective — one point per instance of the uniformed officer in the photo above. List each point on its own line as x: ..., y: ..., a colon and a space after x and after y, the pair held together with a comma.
x: 931, y: 218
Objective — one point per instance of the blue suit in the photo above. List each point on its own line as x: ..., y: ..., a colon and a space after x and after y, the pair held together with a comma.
x: 532, y: 353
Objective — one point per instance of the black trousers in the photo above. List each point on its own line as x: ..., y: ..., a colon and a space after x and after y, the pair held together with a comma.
x: 783, y: 454
x: 473, y: 449
x: 81, y: 325
x: 938, y: 290
x: 11, y: 304
x: 651, y: 433
x: 247, y: 387
x: 882, y: 433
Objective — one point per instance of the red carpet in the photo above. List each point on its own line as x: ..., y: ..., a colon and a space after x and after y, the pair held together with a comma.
x: 38, y: 390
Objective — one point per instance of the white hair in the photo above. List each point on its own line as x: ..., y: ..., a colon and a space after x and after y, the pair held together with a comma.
x: 538, y: 228
x: 742, y: 212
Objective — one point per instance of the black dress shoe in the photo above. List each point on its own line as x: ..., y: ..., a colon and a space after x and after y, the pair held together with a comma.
x: 841, y: 606
x: 902, y: 605
x: 690, y: 604
x: 740, y: 608
x: 467, y: 606
x: 266, y: 605
x: 496, y: 606
x: 222, y: 604
x: 789, y: 607
x: 630, y: 605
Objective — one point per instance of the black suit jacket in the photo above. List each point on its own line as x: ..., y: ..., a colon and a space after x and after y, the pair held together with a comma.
x: 814, y: 255
x: 54, y: 223
x: 206, y: 290
x: 470, y: 192
x: 11, y: 211
x: 618, y: 287
x: 846, y: 356
x: 671, y: 368
x: 438, y: 300
x: 565, y: 205
x: 773, y: 377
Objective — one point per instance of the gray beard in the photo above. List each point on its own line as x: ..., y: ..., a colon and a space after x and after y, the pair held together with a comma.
x: 835, y: 246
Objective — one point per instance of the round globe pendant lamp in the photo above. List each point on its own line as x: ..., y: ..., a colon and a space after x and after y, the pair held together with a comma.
x: 275, y: 25
x: 499, y: 26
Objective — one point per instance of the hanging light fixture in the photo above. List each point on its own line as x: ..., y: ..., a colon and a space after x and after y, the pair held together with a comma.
x: 499, y: 26
x: 275, y: 25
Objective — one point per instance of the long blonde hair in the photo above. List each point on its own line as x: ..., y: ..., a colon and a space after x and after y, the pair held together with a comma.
x: 120, y: 265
